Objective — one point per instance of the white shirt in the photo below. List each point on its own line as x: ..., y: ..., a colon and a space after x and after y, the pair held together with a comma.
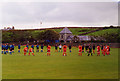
x: 60, y: 46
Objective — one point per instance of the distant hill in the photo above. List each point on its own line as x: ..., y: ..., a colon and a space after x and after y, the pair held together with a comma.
x: 102, y: 32
x: 94, y: 31
x: 78, y: 30
x: 111, y: 34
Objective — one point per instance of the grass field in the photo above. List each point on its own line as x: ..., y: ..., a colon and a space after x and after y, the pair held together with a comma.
x: 56, y: 66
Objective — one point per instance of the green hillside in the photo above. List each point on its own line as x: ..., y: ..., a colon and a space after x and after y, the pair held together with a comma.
x: 31, y: 35
x: 102, y: 32
x: 110, y: 34
x: 77, y: 31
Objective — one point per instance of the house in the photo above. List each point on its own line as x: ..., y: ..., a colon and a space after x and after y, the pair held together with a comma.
x: 84, y: 38
x: 8, y: 28
x: 66, y: 35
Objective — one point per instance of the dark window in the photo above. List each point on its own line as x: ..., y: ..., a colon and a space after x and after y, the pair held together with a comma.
x: 61, y: 36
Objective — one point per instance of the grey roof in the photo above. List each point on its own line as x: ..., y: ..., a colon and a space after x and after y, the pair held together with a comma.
x: 84, y: 38
x: 66, y: 30
x: 69, y: 38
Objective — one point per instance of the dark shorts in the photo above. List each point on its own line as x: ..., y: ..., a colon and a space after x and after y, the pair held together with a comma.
x: 10, y: 49
x: 90, y: 52
x: 41, y: 47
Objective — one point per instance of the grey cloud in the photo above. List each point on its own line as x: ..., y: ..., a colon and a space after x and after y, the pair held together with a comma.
x: 77, y: 12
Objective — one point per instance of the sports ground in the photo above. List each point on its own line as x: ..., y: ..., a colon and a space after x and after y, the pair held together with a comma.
x: 56, y: 66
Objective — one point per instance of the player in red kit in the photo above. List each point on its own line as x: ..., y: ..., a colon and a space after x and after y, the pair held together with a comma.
x: 31, y: 51
x: 48, y: 50
x: 108, y: 50
x: 98, y: 50
x: 25, y: 50
x: 104, y: 50
x: 80, y: 50
x: 64, y: 50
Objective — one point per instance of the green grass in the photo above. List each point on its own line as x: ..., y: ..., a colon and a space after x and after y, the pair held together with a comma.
x: 58, y: 30
x: 56, y: 66
x: 102, y: 32
x: 77, y: 31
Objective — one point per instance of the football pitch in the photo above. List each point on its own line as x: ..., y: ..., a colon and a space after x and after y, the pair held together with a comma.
x: 56, y: 66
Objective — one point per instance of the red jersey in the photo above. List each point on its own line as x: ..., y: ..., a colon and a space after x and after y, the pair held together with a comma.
x: 64, y: 48
x: 25, y: 49
x: 98, y: 48
x: 48, y: 48
x: 80, y: 48
x: 104, y: 49
x: 107, y: 49
x: 31, y: 50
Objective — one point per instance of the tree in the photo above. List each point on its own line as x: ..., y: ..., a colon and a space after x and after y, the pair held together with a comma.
x: 50, y: 35
x: 37, y: 35
x: 112, y: 37
x: 13, y: 27
x: 75, y: 39
x: 6, y: 37
x: 111, y: 26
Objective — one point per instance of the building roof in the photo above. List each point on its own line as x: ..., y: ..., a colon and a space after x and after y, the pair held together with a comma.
x: 84, y: 38
x: 66, y: 30
x: 69, y: 37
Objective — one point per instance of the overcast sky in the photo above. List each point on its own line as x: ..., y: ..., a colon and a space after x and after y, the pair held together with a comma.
x: 27, y: 15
